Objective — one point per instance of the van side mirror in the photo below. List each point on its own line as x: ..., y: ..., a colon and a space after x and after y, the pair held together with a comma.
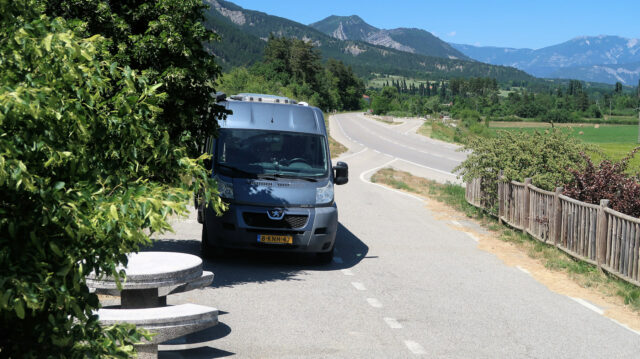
x: 341, y: 173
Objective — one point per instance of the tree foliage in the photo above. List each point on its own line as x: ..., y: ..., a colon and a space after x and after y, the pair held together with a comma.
x: 163, y: 40
x: 607, y: 180
x: 88, y: 171
x: 293, y: 68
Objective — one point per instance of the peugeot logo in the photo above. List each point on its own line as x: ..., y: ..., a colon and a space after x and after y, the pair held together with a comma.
x: 275, y: 214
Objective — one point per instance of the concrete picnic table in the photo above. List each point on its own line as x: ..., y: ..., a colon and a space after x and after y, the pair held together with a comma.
x: 150, y: 277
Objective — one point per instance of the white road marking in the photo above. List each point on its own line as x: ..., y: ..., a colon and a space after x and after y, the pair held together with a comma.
x: 392, y: 323
x: 625, y: 326
x: 363, y: 174
x: 342, y: 158
x: 472, y: 236
x: 413, y: 129
x: 414, y: 347
x: 376, y: 151
x: 427, y: 167
x: 347, y: 272
x: 338, y: 260
x: 358, y: 286
x: 523, y: 270
x: 456, y: 223
x: 363, y: 179
x: 374, y: 302
x: 588, y: 305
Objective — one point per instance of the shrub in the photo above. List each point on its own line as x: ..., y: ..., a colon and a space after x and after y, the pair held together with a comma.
x: 546, y: 157
x: 609, y: 181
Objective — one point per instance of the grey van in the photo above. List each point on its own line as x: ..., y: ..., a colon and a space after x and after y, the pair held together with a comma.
x: 272, y: 164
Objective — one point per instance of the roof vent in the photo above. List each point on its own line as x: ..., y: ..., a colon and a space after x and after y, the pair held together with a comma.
x: 250, y: 97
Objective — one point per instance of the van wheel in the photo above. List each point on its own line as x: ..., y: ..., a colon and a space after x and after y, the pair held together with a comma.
x: 326, y: 257
x: 206, y: 250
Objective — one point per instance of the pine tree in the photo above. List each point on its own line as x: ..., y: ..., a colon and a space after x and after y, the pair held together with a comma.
x: 618, y: 89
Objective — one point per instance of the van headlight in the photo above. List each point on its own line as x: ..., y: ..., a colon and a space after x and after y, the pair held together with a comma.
x: 324, y: 194
x: 225, y: 189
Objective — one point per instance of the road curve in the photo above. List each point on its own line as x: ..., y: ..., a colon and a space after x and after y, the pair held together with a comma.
x: 399, y: 141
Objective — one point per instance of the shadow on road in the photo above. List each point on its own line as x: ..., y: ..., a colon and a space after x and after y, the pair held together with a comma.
x: 239, y: 267
x: 196, y: 345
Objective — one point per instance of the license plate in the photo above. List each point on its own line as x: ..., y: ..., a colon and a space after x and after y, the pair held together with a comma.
x: 272, y: 238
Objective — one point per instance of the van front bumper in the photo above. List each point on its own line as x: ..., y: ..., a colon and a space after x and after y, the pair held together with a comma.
x: 312, y: 229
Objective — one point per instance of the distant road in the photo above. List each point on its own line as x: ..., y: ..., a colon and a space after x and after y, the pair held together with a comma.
x: 435, y: 159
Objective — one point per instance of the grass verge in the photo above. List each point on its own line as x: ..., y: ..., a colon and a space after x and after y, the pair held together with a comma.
x: 336, y: 148
x: 386, y: 119
x: 585, y: 274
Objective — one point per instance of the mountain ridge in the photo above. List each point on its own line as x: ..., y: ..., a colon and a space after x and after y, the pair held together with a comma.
x: 588, y: 58
x: 411, y: 40
x: 254, y: 29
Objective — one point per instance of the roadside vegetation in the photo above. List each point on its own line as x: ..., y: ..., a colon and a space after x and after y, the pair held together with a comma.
x: 102, y: 113
x: 586, y: 275
x: 293, y: 68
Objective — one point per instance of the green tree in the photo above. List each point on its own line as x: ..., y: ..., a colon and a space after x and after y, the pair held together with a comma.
x: 618, y: 88
x: 381, y: 102
x: 84, y: 155
x: 347, y: 89
x: 164, y: 40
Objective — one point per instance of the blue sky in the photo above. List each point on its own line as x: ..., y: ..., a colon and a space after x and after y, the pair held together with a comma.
x: 515, y: 23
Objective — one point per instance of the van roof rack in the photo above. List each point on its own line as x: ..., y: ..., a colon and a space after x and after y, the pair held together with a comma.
x: 255, y: 97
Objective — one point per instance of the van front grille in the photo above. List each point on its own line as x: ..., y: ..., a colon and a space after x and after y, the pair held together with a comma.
x: 289, y: 221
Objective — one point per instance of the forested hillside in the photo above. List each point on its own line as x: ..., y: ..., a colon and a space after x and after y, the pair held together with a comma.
x: 252, y: 28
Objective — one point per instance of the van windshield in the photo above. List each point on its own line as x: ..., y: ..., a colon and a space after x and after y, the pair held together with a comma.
x: 256, y: 153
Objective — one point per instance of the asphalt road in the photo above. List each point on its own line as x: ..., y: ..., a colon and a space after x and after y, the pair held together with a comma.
x: 403, y: 284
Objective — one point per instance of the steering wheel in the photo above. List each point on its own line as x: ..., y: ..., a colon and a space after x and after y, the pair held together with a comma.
x: 297, y: 159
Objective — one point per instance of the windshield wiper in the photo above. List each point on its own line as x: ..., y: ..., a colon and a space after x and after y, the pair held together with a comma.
x: 309, y: 179
x: 237, y: 170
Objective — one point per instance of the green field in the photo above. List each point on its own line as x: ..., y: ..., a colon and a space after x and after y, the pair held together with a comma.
x: 615, y: 142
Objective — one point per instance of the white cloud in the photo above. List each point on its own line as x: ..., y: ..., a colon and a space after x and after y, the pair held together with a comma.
x: 452, y: 34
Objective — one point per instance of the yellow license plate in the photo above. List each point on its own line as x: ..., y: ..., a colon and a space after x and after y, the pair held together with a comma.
x: 272, y: 238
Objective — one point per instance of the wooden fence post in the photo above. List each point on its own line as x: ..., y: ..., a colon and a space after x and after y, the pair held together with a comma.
x: 526, y: 201
x: 500, y: 196
x: 601, y: 234
x: 557, y: 216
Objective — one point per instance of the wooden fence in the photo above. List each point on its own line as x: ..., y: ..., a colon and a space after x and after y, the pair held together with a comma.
x: 593, y: 233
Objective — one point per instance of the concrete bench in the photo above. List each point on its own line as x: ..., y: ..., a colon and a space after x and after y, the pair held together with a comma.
x: 166, y: 322
x: 203, y: 281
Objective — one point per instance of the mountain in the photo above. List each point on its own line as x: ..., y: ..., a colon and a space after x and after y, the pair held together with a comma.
x: 596, y: 58
x: 245, y: 32
x: 404, y: 39
x: 628, y: 74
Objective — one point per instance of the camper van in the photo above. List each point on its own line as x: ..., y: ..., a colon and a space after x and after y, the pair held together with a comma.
x: 272, y: 164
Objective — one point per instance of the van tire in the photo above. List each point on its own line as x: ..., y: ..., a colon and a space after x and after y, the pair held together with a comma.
x: 326, y: 257
x: 208, y: 251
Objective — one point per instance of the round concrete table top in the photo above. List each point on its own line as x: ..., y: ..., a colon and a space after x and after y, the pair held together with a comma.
x: 153, y: 270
